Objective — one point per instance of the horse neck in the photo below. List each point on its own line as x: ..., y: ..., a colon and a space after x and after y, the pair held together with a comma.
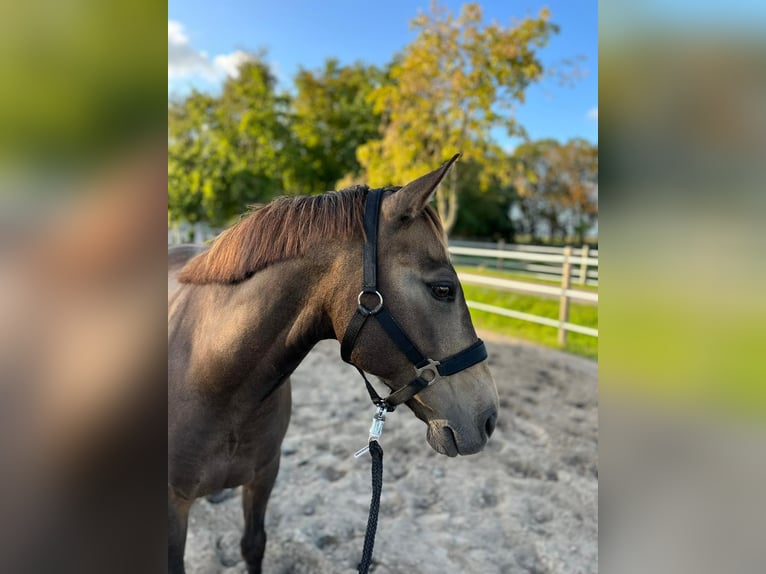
x: 260, y: 329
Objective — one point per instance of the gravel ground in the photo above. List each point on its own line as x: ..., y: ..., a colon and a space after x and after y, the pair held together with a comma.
x: 527, y: 504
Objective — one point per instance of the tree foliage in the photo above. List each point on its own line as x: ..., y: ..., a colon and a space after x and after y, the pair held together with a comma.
x: 448, y: 91
x: 227, y: 151
x: 250, y: 143
x: 557, y: 187
x: 454, y: 84
x: 332, y: 118
x: 483, y: 208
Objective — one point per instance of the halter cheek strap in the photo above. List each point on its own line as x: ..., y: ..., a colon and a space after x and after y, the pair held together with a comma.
x: 370, y: 304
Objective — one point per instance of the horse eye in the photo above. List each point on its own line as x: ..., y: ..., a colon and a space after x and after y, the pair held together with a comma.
x: 442, y: 291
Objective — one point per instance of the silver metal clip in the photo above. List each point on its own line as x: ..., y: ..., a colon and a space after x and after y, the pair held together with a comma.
x: 376, y: 429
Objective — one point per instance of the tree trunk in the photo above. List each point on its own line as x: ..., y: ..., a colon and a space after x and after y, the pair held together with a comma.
x: 449, y: 215
x: 441, y: 203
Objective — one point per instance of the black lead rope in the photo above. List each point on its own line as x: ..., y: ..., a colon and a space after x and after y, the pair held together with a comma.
x: 376, y: 452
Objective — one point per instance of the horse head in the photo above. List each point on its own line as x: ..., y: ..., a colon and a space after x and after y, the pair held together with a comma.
x: 420, y: 289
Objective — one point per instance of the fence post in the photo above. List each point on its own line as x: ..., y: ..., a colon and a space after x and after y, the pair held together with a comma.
x: 566, y: 273
x: 584, y: 264
x: 500, y: 247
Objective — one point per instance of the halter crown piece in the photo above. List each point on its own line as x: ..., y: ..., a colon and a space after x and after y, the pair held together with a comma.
x: 427, y: 371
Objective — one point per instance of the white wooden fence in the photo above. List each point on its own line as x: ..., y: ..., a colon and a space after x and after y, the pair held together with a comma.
x: 524, y: 259
x: 564, y: 292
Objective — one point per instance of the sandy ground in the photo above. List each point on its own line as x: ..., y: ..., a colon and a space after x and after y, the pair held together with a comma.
x: 526, y: 504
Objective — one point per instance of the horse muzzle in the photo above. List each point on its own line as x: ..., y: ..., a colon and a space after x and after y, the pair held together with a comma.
x: 453, y: 439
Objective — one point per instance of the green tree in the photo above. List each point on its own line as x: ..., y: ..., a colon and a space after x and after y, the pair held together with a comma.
x: 454, y: 84
x: 190, y: 145
x: 257, y: 128
x: 228, y: 151
x: 483, y: 212
x: 332, y: 117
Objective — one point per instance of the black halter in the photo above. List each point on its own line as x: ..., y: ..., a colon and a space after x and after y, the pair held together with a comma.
x: 427, y: 371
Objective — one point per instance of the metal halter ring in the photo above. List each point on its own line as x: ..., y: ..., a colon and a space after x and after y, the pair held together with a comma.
x: 430, y: 372
x: 364, y: 310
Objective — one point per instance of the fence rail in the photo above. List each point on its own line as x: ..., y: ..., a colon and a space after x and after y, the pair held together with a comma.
x: 502, y: 254
x: 576, y: 251
x: 538, y: 261
x: 536, y: 288
x: 533, y: 318
x: 564, y: 291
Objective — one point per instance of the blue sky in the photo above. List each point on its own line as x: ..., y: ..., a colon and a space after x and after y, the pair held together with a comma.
x: 206, y: 39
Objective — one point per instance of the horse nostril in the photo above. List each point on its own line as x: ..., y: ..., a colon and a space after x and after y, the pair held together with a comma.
x: 489, y: 426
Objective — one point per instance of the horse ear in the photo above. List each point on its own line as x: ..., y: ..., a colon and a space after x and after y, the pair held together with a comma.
x: 412, y: 199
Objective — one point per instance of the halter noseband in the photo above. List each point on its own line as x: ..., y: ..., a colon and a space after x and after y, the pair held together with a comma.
x: 427, y: 371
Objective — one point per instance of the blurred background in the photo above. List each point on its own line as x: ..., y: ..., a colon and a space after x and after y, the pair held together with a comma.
x: 681, y: 373
x: 82, y: 353
x: 84, y: 146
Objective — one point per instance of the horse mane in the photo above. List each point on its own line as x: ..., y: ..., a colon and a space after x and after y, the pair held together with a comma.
x: 287, y: 227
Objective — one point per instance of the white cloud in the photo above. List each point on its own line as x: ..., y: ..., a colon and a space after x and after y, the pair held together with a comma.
x: 229, y: 63
x: 593, y: 114
x: 176, y: 33
x: 184, y: 61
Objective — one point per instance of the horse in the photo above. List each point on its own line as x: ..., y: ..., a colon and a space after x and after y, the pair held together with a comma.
x: 244, y: 313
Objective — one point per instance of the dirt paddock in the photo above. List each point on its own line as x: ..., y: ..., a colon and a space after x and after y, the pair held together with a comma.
x: 527, y: 504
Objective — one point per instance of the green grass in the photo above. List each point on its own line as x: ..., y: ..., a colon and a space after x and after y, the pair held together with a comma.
x: 579, y: 314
